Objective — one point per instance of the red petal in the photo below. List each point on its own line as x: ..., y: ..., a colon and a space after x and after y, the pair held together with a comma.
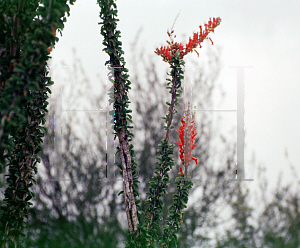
x: 181, y: 47
x: 195, y: 159
x: 181, y: 157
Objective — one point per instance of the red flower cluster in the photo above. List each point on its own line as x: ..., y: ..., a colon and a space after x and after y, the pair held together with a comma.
x: 187, y: 138
x: 168, y: 51
x: 165, y: 52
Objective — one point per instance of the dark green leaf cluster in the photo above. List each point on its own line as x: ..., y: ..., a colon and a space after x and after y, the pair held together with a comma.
x: 158, y: 188
x: 23, y: 54
x: 27, y: 31
x: 180, y: 199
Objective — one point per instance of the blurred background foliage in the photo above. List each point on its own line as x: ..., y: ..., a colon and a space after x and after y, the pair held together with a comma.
x: 86, y: 212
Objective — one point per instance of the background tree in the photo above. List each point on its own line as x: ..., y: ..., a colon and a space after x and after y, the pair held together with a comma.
x: 275, y: 221
x: 279, y: 222
x: 241, y: 234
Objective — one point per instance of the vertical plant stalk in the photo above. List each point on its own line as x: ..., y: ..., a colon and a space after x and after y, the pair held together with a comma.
x: 23, y: 164
x: 159, y: 186
x: 23, y: 107
x: 175, y: 214
x: 36, y: 23
x: 171, y: 109
x: 121, y: 86
x: 11, y: 36
x: 184, y: 184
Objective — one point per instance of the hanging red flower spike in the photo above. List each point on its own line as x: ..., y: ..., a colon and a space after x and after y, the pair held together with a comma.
x: 186, y: 133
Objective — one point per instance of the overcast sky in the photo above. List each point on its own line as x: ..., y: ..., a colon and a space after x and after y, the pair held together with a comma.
x: 261, y: 34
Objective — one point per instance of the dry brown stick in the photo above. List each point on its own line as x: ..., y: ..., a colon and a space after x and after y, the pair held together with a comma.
x: 131, y: 210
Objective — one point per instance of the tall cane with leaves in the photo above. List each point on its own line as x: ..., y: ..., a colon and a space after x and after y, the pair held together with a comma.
x: 27, y: 31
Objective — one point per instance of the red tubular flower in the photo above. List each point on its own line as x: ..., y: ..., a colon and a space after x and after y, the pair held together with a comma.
x: 209, y: 22
x: 186, y: 133
x: 198, y: 38
x: 181, y: 47
x: 195, y: 37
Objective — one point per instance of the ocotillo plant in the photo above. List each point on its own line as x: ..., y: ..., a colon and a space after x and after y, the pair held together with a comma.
x: 27, y: 31
x: 144, y: 234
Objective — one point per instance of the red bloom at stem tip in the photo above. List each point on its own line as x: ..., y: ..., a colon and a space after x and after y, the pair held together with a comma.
x: 187, y: 134
x: 198, y: 38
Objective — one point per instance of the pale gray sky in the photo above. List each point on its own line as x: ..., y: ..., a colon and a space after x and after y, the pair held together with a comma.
x: 261, y: 34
